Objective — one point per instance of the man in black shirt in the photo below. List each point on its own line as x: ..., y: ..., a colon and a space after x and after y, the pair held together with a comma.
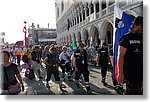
x: 81, y: 66
x: 103, y: 61
x: 131, y: 59
x: 35, y: 62
x: 51, y: 61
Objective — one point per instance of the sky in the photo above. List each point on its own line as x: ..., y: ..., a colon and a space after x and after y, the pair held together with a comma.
x: 14, y: 12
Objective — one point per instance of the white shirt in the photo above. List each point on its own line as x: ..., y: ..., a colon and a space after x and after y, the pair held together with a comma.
x: 8, y: 49
x: 18, y: 50
x: 64, y: 56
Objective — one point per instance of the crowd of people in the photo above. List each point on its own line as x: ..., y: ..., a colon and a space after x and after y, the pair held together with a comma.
x: 73, y: 63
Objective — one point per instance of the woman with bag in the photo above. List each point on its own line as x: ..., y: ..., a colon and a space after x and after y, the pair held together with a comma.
x: 11, y: 76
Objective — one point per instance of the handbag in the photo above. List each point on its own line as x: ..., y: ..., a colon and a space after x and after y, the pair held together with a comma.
x: 13, y: 89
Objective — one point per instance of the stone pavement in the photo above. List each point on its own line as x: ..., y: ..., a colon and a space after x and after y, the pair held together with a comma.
x: 38, y: 87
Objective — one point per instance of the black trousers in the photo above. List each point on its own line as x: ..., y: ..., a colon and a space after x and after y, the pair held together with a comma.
x: 85, y: 73
x: 103, y: 69
x: 54, y: 71
x: 134, y: 88
x: 66, y: 67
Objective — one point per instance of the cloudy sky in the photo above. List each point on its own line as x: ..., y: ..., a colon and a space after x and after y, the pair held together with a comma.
x: 14, y: 12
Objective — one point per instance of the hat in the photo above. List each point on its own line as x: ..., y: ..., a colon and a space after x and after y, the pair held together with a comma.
x: 138, y: 20
x: 64, y: 47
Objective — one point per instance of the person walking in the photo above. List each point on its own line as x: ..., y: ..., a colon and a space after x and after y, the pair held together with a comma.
x: 51, y: 61
x: 65, y: 60
x: 130, y: 59
x: 81, y: 66
x: 102, y: 60
x: 10, y: 75
x: 35, y: 62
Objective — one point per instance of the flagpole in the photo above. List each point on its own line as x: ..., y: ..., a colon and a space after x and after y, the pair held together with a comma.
x: 25, y: 32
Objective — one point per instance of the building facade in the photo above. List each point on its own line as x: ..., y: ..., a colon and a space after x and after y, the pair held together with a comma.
x: 41, y: 36
x: 90, y: 21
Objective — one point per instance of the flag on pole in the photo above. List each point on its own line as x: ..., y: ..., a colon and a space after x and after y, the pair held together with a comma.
x: 73, y: 45
x: 25, y: 32
x: 122, y: 24
x: 24, y: 29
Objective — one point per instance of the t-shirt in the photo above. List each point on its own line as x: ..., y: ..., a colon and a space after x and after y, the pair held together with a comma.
x: 65, y: 57
x: 29, y: 53
x: 81, y: 59
x: 52, y: 58
x: 18, y: 51
x: 35, y: 56
x: 103, y: 55
x: 133, y: 59
x: 9, y: 75
x: 8, y: 49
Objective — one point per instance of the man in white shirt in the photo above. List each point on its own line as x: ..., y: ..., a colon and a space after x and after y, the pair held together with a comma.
x: 64, y: 58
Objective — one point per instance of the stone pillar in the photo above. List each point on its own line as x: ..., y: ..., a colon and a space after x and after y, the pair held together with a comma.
x: 107, y: 6
x: 76, y: 20
x: 73, y: 38
x: 78, y: 38
x: 94, y: 4
x: 82, y: 12
x: 100, y: 8
x: 79, y: 16
x: 102, y: 39
x: 85, y: 10
x: 89, y: 6
x: 76, y: 17
x: 73, y: 20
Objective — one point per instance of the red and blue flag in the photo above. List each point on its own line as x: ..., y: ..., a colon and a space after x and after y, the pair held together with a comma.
x: 122, y: 24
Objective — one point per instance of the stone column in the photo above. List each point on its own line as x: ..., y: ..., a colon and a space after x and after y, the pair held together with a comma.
x: 81, y: 12
x: 107, y: 6
x: 78, y: 15
x: 85, y: 10
x: 94, y: 4
x: 89, y: 6
x: 100, y: 8
x: 102, y: 39
x: 73, y: 17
